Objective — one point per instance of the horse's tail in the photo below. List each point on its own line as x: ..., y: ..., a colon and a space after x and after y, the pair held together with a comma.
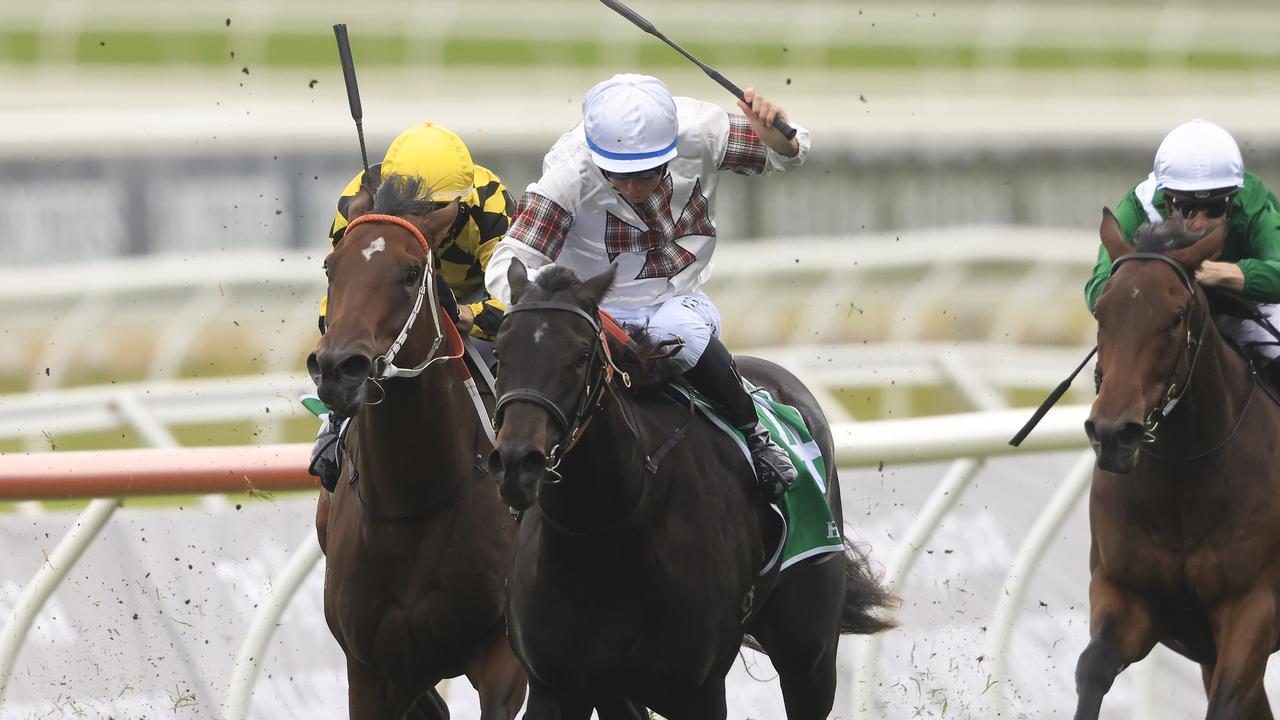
x: 865, y: 598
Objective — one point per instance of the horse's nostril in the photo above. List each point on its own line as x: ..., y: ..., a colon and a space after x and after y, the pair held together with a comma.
x: 533, y: 464
x: 355, y: 367
x: 313, y: 368
x: 495, y: 464
x: 1131, y: 434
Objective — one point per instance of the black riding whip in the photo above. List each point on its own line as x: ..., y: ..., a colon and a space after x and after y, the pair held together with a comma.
x: 1050, y: 401
x: 353, y: 90
x: 778, y: 123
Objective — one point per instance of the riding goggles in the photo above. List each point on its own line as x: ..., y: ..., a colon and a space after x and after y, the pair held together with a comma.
x: 1187, y: 208
x: 649, y: 174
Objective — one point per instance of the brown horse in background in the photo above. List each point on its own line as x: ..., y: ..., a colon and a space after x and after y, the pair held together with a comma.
x: 637, y: 564
x: 416, y: 541
x: 1185, y: 507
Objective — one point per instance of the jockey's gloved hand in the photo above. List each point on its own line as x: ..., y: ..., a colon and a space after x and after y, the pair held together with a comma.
x: 447, y: 300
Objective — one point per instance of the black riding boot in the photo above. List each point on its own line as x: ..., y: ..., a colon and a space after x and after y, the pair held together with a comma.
x: 1271, y: 371
x: 716, y: 377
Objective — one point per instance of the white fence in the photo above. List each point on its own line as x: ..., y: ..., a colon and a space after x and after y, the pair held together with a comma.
x: 973, y: 437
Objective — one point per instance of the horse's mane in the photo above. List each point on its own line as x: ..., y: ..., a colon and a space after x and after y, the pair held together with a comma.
x: 646, y: 360
x: 1163, y: 237
x: 402, y: 195
x: 553, y: 281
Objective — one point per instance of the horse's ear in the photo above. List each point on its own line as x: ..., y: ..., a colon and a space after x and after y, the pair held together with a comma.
x: 435, y: 225
x: 594, y: 290
x: 1112, y: 236
x: 1206, y: 248
x: 518, y: 279
x: 360, y: 204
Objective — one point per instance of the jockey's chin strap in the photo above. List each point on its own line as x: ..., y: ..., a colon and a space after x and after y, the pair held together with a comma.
x: 1174, y: 390
x: 383, y: 365
x: 598, y: 378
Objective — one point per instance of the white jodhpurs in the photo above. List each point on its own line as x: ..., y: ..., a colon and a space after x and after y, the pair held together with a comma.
x: 692, y: 319
x: 1255, y: 339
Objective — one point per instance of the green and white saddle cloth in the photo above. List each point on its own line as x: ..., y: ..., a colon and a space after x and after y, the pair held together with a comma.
x: 810, y: 528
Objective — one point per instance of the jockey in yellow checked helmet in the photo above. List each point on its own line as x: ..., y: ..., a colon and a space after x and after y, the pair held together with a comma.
x: 1198, y: 174
x: 440, y: 158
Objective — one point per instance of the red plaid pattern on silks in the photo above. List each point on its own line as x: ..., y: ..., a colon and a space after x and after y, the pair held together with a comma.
x: 745, y: 154
x: 541, y: 224
x: 663, y: 257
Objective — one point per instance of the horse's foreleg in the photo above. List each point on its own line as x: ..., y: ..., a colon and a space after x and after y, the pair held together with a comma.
x: 429, y: 706
x: 368, y: 694
x: 322, y: 518
x: 621, y: 710
x: 545, y: 705
x: 497, y: 676
x: 1244, y: 632
x: 706, y: 703
x: 1121, y: 632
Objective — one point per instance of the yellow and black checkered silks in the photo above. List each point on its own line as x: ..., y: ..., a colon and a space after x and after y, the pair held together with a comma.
x: 464, y: 255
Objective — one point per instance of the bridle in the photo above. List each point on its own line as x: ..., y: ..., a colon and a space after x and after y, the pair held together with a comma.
x: 383, y: 365
x: 1175, y: 388
x: 599, y: 377
x: 385, y: 368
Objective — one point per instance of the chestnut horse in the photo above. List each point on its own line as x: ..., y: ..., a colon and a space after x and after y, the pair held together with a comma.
x: 1184, y: 513
x: 637, y: 561
x: 416, y: 541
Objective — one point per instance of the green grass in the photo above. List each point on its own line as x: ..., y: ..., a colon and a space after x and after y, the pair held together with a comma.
x: 307, y: 50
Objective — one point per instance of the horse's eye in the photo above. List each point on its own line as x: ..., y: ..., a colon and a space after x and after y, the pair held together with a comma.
x: 582, y: 358
x: 413, y: 274
x: 1177, y: 322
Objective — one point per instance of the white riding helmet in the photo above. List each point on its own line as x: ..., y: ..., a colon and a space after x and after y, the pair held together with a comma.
x: 630, y: 123
x: 1198, y: 156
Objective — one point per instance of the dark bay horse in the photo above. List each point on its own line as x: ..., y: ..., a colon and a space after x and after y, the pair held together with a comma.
x: 639, y: 551
x: 1184, y: 512
x: 416, y: 540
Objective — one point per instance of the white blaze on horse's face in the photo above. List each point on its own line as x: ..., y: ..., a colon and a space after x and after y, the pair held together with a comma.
x: 537, y: 334
x: 1136, y: 292
x: 376, y: 246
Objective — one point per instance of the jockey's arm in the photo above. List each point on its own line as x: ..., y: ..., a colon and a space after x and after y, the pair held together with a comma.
x: 536, y: 236
x: 1261, y: 266
x: 746, y: 144
x: 761, y: 112
x: 1129, y: 214
x: 481, y: 318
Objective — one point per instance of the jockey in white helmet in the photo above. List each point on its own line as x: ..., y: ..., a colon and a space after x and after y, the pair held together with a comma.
x: 1199, y: 175
x: 634, y: 186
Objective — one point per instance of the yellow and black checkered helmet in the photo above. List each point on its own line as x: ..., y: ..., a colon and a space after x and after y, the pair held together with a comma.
x: 438, y: 156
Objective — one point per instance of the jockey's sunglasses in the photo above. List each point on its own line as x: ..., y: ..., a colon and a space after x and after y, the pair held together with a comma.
x: 649, y: 174
x: 1187, y: 208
